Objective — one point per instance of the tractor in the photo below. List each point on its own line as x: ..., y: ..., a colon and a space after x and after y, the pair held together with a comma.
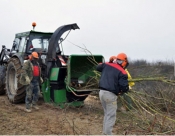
x: 68, y: 79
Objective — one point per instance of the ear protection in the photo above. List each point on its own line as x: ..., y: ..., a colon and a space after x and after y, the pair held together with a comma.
x: 123, y: 63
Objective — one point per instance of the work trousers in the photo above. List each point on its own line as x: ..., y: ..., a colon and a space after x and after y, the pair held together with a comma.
x: 109, y: 104
x: 32, y: 94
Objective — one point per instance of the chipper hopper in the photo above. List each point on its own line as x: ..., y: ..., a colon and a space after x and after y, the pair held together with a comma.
x: 67, y: 78
x: 71, y: 84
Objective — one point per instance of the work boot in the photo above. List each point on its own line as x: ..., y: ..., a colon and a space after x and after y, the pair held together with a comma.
x: 28, y: 110
x: 35, y: 107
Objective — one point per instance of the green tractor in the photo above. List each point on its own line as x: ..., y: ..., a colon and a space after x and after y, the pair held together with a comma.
x: 68, y: 79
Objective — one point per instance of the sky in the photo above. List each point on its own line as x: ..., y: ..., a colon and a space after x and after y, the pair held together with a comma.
x: 143, y: 29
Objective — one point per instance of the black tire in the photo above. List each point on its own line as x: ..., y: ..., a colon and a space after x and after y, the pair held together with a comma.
x: 2, y: 79
x: 14, y: 90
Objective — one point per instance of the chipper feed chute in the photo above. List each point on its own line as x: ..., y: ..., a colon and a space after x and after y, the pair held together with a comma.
x: 81, y: 76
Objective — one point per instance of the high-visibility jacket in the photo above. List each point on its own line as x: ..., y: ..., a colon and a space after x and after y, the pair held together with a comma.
x: 129, y: 77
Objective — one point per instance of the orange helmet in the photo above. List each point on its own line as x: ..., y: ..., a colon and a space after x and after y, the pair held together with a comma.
x: 123, y: 59
x: 112, y: 58
x: 35, y: 55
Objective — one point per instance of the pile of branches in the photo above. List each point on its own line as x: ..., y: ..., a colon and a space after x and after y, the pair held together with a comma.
x: 153, y: 101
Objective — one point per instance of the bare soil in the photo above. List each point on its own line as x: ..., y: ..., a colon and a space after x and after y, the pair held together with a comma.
x: 50, y: 119
x: 87, y: 120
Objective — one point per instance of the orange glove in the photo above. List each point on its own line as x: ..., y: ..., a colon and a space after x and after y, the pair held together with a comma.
x: 112, y: 58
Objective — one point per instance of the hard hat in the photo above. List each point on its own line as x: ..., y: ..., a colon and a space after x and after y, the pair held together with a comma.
x: 112, y: 58
x: 121, y: 56
x: 122, y: 59
x: 35, y: 54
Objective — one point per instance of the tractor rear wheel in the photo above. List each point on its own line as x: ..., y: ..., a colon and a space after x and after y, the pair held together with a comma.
x: 2, y: 79
x: 15, y: 91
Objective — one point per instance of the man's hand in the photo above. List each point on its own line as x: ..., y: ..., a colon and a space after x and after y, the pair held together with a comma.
x: 41, y: 80
x: 27, y: 80
x: 24, y: 79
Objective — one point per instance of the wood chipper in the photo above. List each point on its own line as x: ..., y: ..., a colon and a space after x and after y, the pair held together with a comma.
x: 71, y: 84
x: 67, y: 78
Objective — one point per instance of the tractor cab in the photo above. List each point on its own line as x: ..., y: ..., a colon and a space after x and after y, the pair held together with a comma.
x: 26, y: 42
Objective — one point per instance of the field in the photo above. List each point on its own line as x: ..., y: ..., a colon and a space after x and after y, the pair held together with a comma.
x: 87, y: 120
x: 153, y: 111
x: 50, y: 119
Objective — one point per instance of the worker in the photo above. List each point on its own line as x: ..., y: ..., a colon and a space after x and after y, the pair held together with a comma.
x: 112, y: 59
x: 31, y: 77
x: 126, y: 98
x: 113, y: 82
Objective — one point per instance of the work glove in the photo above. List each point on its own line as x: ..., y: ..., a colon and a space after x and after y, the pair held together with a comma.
x: 124, y: 89
x: 27, y: 80
x: 130, y: 87
x: 24, y: 79
x: 41, y: 80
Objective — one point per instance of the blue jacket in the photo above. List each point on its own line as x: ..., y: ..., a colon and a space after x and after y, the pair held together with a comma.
x: 113, y: 78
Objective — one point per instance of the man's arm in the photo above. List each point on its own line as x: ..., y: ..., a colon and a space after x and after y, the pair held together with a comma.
x: 100, y: 67
x: 25, y: 68
x: 24, y: 79
x: 123, y: 83
x: 129, y: 77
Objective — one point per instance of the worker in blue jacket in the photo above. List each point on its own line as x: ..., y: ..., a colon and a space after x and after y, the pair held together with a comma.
x: 113, y: 82
x: 127, y: 104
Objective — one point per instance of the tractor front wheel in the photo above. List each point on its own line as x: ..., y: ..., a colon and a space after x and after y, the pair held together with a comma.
x: 15, y: 91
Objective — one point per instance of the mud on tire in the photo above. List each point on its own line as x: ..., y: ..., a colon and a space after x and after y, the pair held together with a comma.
x: 2, y: 79
x: 14, y: 90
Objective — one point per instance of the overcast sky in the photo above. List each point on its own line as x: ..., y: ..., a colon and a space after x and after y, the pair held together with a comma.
x: 143, y: 29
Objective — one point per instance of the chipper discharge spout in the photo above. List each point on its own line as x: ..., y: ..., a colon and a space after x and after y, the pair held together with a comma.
x: 73, y: 83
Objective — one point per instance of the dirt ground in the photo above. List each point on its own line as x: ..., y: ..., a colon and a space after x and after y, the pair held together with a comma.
x: 50, y: 119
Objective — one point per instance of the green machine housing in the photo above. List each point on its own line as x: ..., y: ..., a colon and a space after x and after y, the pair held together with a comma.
x: 71, y: 84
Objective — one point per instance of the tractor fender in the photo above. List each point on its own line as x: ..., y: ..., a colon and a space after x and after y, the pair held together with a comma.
x: 19, y: 56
